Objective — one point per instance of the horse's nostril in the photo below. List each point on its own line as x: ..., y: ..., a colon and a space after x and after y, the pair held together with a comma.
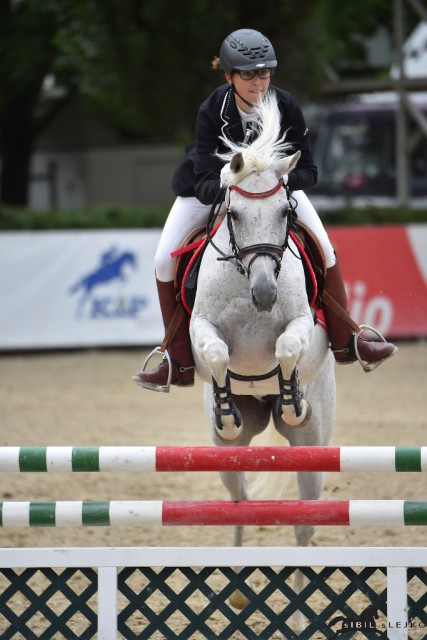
x: 264, y: 303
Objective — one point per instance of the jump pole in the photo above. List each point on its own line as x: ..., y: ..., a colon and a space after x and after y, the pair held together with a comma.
x: 214, y: 513
x: 158, y: 459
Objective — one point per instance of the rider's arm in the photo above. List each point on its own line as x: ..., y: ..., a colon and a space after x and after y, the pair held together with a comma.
x: 207, y: 167
x: 304, y: 175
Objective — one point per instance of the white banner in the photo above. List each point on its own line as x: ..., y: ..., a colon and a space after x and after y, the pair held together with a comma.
x: 78, y: 288
x: 64, y: 289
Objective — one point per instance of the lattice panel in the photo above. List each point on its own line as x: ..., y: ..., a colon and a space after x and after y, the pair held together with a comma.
x: 417, y: 603
x: 193, y: 603
x: 48, y: 604
x: 168, y: 603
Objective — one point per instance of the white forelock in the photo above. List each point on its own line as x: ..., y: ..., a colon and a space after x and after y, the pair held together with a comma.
x: 268, y: 148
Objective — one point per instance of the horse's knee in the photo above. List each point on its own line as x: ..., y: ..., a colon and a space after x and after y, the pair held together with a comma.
x: 217, y: 358
x: 288, y: 347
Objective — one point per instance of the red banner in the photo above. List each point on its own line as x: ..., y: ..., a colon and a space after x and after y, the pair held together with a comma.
x: 385, y: 273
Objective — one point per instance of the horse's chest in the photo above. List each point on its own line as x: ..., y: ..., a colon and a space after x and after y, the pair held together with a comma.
x: 241, y: 324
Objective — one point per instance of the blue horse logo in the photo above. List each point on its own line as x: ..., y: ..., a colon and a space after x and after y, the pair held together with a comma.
x: 111, y: 268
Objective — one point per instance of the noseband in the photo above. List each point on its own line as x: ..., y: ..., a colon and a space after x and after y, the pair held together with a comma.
x: 273, y: 251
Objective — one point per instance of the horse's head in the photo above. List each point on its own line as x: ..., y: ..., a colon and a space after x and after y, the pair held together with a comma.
x: 259, y: 226
x: 258, y: 205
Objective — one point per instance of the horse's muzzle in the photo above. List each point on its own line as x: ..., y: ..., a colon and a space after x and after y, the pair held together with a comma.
x: 264, y: 298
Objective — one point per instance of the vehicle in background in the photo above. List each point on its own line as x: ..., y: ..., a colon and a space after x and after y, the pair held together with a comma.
x: 354, y: 145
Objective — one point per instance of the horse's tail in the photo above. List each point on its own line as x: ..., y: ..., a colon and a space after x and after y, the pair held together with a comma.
x: 270, y: 484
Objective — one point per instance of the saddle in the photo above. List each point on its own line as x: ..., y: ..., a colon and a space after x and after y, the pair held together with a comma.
x: 189, y: 257
x: 188, y: 260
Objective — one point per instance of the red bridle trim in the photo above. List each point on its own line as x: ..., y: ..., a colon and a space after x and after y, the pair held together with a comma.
x: 258, y: 195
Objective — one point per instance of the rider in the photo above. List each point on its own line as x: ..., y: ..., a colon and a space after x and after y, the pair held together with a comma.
x: 247, y: 60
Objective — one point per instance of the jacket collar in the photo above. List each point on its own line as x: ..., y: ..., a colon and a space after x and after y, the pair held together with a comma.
x: 232, y: 127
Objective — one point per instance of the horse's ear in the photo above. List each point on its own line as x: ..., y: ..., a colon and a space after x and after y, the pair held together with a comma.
x: 237, y: 163
x: 287, y: 164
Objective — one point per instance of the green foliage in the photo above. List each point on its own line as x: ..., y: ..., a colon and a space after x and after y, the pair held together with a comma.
x: 143, y: 66
x: 26, y: 48
x: 374, y: 216
x: 345, y: 24
x: 12, y: 219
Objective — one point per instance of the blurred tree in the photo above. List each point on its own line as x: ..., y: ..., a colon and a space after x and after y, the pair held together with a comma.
x: 143, y: 65
x: 345, y: 27
x: 26, y: 52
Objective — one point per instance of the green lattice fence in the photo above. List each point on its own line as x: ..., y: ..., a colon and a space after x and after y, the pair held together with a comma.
x: 185, y: 602
x: 42, y: 604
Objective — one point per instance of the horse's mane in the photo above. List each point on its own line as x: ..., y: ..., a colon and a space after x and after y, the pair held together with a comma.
x: 268, y: 148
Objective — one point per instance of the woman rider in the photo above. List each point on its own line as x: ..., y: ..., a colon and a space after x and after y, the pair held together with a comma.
x: 247, y: 59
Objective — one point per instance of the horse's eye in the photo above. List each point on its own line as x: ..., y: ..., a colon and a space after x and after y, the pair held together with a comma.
x: 285, y: 211
x: 234, y: 215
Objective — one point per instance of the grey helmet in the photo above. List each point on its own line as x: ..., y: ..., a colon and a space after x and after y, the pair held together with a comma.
x: 246, y: 49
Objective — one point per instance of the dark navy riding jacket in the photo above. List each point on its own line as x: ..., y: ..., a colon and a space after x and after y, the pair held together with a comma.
x: 199, y: 173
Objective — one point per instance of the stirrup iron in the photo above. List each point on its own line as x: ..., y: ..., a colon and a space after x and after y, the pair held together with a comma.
x: 367, y: 366
x: 163, y: 388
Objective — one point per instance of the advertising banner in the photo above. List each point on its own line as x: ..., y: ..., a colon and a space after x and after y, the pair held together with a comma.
x: 385, y: 272
x: 69, y: 289
x: 75, y: 289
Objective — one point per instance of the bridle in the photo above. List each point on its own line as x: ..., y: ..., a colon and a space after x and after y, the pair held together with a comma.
x: 273, y: 251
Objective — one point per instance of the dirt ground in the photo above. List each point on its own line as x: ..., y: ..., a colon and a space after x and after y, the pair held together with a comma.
x: 87, y: 398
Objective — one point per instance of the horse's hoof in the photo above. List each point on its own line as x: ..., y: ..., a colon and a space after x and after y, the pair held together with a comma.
x: 299, y: 422
x: 307, y: 417
x: 229, y: 434
x: 238, y: 600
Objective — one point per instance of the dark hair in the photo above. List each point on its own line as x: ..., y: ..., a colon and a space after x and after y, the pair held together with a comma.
x: 216, y: 64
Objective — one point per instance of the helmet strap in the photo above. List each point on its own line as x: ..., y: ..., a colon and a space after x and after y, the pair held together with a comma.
x: 250, y: 104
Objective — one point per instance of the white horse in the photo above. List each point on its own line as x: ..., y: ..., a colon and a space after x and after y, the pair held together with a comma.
x: 255, y: 343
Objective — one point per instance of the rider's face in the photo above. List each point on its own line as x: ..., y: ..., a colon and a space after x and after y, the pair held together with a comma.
x: 250, y: 90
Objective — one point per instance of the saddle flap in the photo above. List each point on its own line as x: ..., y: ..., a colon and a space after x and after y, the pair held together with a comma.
x: 313, y: 251
x: 185, y: 252
x: 188, y: 259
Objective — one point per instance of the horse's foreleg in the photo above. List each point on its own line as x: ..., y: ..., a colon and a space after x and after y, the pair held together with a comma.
x: 291, y: 347
x: 213, y: 353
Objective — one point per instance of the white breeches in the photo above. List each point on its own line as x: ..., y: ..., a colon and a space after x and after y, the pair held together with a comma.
x: 189, y: 213
x: 309, y: 216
